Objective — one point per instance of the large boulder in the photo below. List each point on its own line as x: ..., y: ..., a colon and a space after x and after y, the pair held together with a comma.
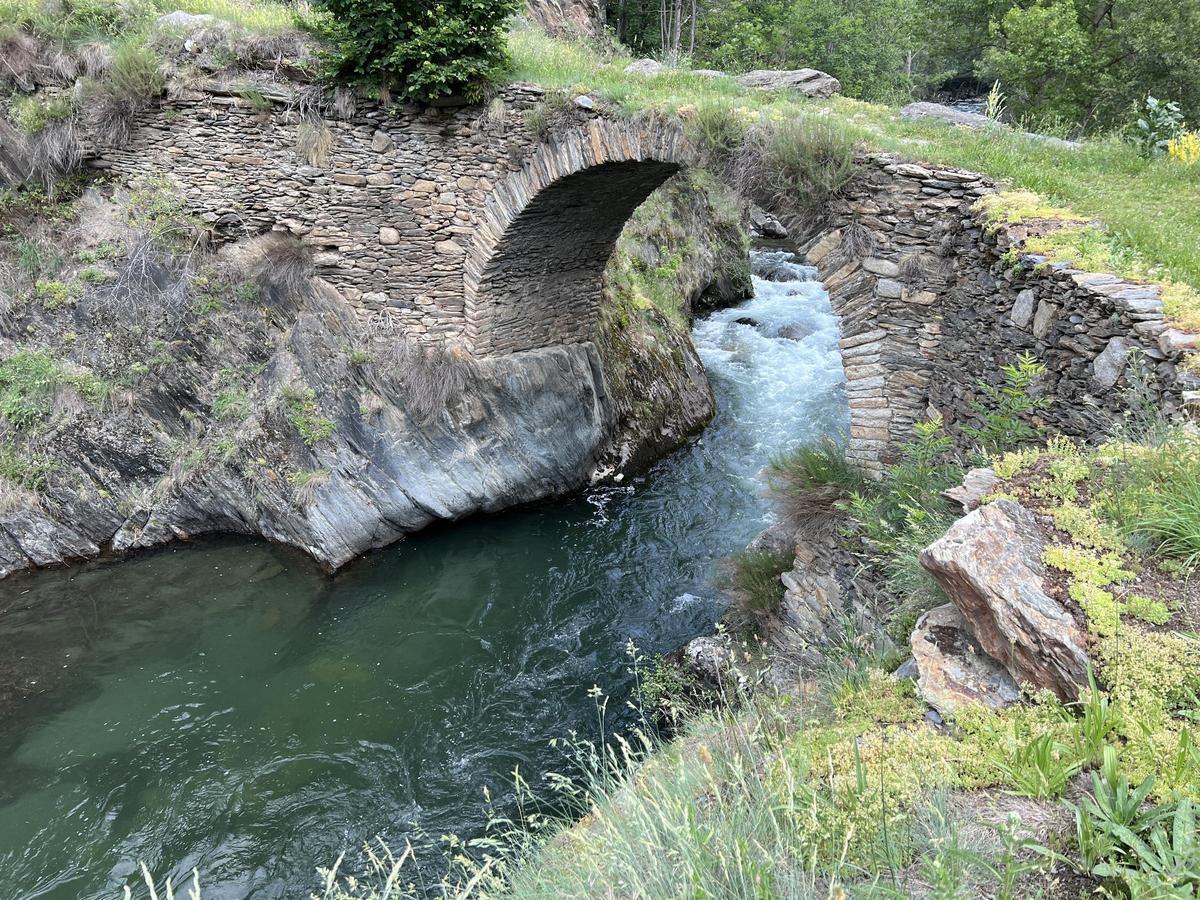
x: 990, y: 563
x: 645, y: 66
x: 809, y: 82
x: 950, y: 115
x: 952, y: 669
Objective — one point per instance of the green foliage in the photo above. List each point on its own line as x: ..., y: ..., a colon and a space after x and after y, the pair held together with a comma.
x: 231, y: 403
x: 1042, y: 768
x: 720, y: 130
x: 1153, y: 496
x: 1161, y: 122
x: 755, y: 578
x: 28, y: 380
x: 1138, y: 849
x: 54, y: 294
x: 1005, y: 408
x: 305, y: 415
x: 425, y: 51
x: 136, y: 74
x: 33, y: 113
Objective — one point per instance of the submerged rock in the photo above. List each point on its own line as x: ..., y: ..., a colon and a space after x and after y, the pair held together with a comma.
x: 990, y: 563
x: 952, y: 669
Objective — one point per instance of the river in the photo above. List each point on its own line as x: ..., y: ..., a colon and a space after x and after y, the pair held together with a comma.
x: 227, y: 706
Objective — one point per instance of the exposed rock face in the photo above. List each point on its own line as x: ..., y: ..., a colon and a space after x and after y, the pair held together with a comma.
x: 568, y: 18
x: 977, y: 484
x: 821, y: 594
x: 809, y: 82
x: 953, y: 671
x: 284, y: 416
x: 990, y: 563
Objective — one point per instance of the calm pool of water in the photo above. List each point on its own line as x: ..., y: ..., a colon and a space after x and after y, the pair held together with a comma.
x: 227, y: 706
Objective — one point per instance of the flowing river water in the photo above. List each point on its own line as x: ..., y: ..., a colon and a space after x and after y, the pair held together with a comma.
x: 229, y: 707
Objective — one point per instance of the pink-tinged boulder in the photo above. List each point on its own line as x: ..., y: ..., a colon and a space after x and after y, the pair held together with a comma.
x: 990, y: 563
x: 953, y: 671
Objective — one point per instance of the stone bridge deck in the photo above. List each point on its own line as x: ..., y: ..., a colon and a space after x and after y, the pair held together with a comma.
x: 456, y: 223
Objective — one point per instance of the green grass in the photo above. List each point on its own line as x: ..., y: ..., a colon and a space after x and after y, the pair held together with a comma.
x: 754, y: 578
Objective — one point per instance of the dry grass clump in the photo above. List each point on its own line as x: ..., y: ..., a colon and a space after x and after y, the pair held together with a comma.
x: 18, y: 57
x: 314, y: 142
x: 277, y: 261
x: 426, y: 379
x: 801, y: 163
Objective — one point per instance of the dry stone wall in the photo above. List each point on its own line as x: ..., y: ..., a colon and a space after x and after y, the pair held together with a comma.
x: 408, y: 215
x: 931, y: 305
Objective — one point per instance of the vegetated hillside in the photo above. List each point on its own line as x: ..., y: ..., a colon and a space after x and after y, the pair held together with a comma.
x: 842, y: 784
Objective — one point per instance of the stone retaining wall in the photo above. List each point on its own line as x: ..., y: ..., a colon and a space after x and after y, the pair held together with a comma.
x: 930, y: 307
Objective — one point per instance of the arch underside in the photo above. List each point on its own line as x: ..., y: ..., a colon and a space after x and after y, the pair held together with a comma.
x: 541, y: 285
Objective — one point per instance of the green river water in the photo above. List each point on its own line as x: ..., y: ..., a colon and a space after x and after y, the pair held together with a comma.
x: 229, y: 707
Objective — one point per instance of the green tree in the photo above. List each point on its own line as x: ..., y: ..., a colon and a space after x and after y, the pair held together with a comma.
x: 423, y: 50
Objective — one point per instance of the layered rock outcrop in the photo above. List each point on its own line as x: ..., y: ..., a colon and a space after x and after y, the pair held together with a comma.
x: 990, y: 564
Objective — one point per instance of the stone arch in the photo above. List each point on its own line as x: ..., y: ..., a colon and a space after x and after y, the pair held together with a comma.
x: 533, y: 272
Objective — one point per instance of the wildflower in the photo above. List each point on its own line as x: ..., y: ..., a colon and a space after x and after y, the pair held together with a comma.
x: 1185, y: 148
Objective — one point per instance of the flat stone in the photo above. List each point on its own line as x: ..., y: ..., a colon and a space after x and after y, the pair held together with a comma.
x: 351, y: 180
x: 449, y: 248
x: 382, y: 142
x: 884, y: 267
x: 583, y: 101
x: 977, y: 484
x: 990, y: 564
x: 1022, y: 310
x: 953, y: 672
x: 1108, y: 367
x: 892, y: 290
x: 1046, y: 312
x: 380, y: 179
x: 809, y: 82
x: 1173, y: 341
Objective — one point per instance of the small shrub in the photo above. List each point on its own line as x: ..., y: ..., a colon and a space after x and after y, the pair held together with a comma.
x: 425, y: 52
x: 1004, y: 410
x: 274, y: 260
x: 136, y: 73
x: 33, y: 113
x: 719, y: 129
x: 1160, y: 122
x: 754, y: 578
x: 28, y: 380
x: 549, y: 114
x: 801, y: 163
x: 812, y: 479
x: 231, y: 403
x: 54, y: 294
x: 305, y: 415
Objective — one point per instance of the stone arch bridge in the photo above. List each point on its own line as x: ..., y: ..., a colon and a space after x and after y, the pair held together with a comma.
x: 457, y: 224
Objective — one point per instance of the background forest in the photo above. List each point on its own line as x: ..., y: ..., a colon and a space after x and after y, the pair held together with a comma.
x: 1064, y: 65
